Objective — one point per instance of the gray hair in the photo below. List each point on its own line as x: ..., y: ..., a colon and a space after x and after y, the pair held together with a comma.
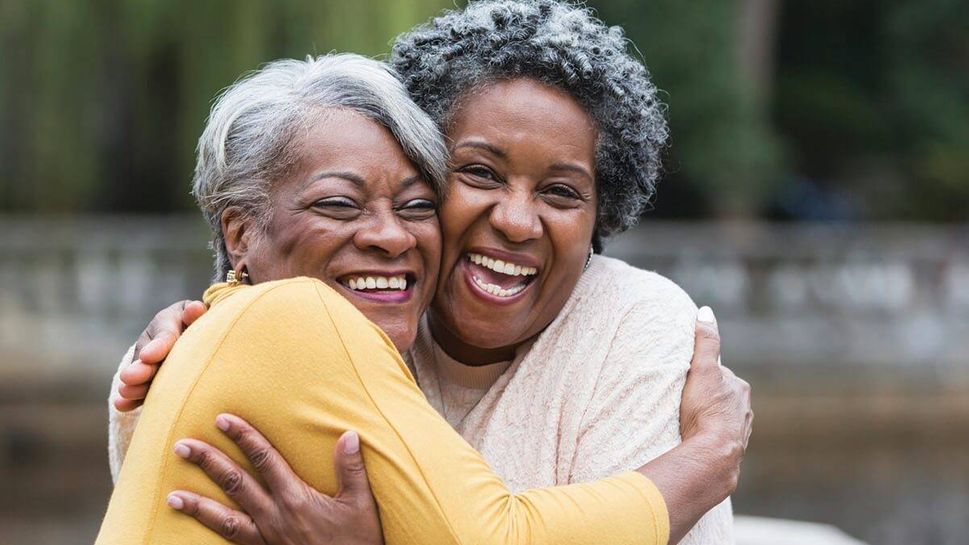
x: 252, y: 137
x: 561, y: 44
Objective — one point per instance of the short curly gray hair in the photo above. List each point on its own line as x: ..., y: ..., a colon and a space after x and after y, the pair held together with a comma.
x: 252, y: 137
x: 563, y: 45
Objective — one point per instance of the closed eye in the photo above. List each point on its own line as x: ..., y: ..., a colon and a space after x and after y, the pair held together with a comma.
x: 417, y: 209
x: 559, y: 190
x: 338, y: 207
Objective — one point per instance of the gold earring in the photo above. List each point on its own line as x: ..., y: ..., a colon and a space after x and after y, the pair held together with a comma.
x: 235, y: 278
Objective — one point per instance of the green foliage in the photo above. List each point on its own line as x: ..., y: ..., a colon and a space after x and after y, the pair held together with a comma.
x: 721, y: 141
x: 874, y: 96
x: 101, y: 102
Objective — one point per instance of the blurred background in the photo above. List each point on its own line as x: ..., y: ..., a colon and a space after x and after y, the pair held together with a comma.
x: 816, y: 195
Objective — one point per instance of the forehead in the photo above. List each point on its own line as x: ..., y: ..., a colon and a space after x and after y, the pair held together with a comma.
x: 346, y: 140
x: 524, y: 110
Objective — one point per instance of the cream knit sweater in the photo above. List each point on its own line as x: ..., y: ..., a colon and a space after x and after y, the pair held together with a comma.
x: 597, y: 393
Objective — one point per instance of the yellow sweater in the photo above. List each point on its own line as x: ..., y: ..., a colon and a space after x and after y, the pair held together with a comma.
x: 303, y: 365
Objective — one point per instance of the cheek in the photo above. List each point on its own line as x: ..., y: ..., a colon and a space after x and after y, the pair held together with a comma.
x: 571, y: 237
x: 464, y: 206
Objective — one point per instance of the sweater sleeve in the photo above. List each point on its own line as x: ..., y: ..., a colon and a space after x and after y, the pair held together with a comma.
x: 303, y: 365
x: 633, y: 416
x: 121, y: 425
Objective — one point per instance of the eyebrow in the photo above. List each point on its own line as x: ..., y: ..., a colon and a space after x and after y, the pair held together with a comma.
x: 481, y: 145
x: 348, y: 176
x: 411, y: 180
x: 357, y: 180
x: 571, y: 167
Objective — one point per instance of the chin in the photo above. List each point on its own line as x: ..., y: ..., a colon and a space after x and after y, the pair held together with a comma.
x: 490, y: 334
x: 402, y: 336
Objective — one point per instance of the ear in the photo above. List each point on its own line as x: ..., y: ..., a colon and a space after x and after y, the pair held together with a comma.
x: 238, y: 229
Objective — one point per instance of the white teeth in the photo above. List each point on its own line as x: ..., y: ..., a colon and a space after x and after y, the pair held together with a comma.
x: 497, y: 290
x: 502, y: 267
x: 377, y: 282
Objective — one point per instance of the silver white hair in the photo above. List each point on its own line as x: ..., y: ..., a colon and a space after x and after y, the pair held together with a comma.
x: 252, y: 137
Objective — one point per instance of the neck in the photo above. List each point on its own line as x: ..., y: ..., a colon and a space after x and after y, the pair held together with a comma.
x: 466, y: 353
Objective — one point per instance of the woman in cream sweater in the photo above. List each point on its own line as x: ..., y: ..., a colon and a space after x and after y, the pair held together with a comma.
x: 539, y: 365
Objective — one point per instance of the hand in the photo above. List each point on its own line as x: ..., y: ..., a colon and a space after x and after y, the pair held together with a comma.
x: 716, y: 403
x: 715, y: 424
x: 151, y: 349
x: 289, y: 511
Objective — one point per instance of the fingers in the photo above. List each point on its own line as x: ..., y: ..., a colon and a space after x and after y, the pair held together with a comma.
x: 233, y: 525
x: 164, y: 329
x: 137, y: 373
x: 158, y: 348
x: 191, y: 311
x: 263, y: 456
x: 232, y: 479
x: 706, y: 350
x: 125, y: 405
x: 134, y: 393
x: 350, y: 470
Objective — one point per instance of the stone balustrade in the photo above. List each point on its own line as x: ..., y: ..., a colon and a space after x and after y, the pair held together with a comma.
x: 896, y: 297
x: 856, y: 338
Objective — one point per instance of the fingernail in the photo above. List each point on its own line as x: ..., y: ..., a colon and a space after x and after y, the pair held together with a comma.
x: 352, y: 443
x: 175, y: 502
x: 222, y: 422
x: 182, y: 450
x: 705, y: 314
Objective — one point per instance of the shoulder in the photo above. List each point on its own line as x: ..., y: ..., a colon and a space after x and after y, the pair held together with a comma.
x: 292, y: 302
x: 638, y: 292
x: 655, y: 320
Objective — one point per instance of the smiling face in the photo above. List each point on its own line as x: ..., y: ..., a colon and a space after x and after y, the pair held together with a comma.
x: 356, y: 214
x: 518, y: 220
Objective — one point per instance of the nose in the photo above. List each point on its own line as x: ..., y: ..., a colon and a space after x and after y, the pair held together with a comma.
x: 516, y: 217
x: 385, y: 234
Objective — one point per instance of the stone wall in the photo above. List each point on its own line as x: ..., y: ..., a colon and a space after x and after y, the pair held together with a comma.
x: 856, y: 339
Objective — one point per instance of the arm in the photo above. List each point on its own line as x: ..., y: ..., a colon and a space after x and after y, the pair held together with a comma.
x: 693, y: 477
x: 121, y: 425
x: 431, y: 486
x: 138, y: 367
x: 634, y: 416
x: 715, y: 422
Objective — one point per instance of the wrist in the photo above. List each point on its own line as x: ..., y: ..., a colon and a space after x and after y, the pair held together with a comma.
x: 718, y: 457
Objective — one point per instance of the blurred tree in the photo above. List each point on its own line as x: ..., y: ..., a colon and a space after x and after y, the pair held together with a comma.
x: 874, y: 98
x: 722, y: 144
x: 101, y: 102
x: 860, y: 107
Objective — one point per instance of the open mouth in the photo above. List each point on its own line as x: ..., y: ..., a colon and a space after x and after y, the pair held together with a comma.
x: 503, y: 279
x: 375, y: 283
x: 374, y: 286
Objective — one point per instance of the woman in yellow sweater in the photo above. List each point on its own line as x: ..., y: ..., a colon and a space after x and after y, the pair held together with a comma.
x: 302, y: 163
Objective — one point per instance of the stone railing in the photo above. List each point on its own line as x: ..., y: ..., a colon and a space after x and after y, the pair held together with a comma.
x: 74, y: 292
x: 862, y: 296
x: 856, y: 339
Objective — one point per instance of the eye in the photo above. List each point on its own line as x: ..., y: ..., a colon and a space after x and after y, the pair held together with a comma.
x: 562, y: 195
x: 338, y: 207
x: 478, y: 176
x: 417, y: 209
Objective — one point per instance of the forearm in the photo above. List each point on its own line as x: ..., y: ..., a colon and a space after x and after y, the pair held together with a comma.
x: 121, y: 425
x: 323, y: 371
x: 693, y: 477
